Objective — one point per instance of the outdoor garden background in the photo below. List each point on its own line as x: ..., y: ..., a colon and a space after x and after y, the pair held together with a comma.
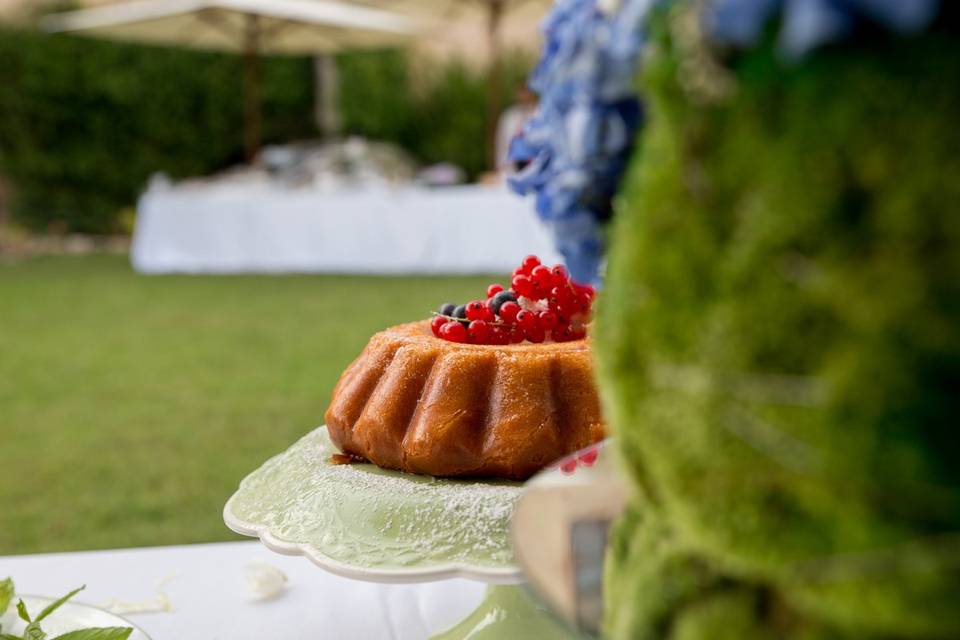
x: 137, y: 403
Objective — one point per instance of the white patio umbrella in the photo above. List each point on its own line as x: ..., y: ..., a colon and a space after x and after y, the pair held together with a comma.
x: 249, y: 27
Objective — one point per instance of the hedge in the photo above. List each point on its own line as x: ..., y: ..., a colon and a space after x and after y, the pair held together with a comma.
x: 83, y: 122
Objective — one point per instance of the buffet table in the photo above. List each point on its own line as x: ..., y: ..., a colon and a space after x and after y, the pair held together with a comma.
x: 266, y: 228
x: 209, y: 599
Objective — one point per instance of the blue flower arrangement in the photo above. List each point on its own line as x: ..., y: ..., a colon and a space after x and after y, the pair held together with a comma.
x: 808, y: 24
x: 574, y: 151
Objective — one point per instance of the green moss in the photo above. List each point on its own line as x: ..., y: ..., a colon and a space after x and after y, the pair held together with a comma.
x: 779, y: 342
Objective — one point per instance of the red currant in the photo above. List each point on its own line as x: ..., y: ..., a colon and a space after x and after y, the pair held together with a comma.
x: 560, y: 275
x: 541, y: 278
x: 478, y: 332
x: 562, y: 294
x: 475, y: 310
x: 569, y: 466
x: 527, y: 319
x: 562, y: 333
x: 582, y: 303
x: 436, y: 324
x: 522, y: 285
x: 499, y: 335
x: 585, y: 289
x: 509, y: 311
x: 548, y: 319
x: 588, y: 457
x: 529, y: 263
x: 494, y: 289
x: 516, y: 334
x: 453, y: 331
x: 535, y: 334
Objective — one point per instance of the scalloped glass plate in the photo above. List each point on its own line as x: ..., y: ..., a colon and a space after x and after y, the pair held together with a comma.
x: 367, y: 523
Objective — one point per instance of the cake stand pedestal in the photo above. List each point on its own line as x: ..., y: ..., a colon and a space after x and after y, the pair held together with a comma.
x: 367, y: 523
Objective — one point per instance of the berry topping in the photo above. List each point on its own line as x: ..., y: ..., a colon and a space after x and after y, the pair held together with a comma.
x: 542, y: 303
x: 478, y: 332
x: 437, y: 323
x: 446, y: 309
x: 476, y: 310
x: 582, y: 303
x: 568, y: 466
x: 453, y: 331
x: 541, y: 278
x: 535, y: 334
x: 509, y: 311
x: 499, y: 335
x: 588, y: 457
x: 527, y: 320
x: 529, y: 263
x: 560, y: 275
x: 522, y: 285
x: 500, y: 298
x: 548, y: 319
x: 562, y: 333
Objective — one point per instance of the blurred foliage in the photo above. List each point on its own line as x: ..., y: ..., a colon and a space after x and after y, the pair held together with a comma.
x: 779, y: 347
x: 438, y: 113
x: 83, y: 123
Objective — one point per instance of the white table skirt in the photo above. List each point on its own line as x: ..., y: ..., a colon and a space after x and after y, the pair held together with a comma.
x: 260, y: 228
x: 207, y: 589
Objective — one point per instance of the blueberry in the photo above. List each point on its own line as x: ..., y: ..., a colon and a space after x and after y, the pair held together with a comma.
x: 461, y: 312
x: 500, y: 298
x: 446, y: 309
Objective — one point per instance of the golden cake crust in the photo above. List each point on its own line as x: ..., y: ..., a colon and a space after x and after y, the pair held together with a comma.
x: 417, y: 403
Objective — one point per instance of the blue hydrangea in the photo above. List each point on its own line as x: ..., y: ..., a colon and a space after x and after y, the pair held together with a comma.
x: 577, y: 145
x: 807, y: 24
x: 575, y: 149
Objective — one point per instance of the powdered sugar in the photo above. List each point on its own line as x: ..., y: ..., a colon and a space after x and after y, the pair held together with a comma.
x: 362, y: 515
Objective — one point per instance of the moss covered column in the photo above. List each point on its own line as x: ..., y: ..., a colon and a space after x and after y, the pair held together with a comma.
x: 779, y: 344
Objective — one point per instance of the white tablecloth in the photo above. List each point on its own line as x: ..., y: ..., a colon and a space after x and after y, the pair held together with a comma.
x: 243, y: 228
x: 206, y: 587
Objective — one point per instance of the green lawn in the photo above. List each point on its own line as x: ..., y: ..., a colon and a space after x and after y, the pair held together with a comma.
x: 131, y: 406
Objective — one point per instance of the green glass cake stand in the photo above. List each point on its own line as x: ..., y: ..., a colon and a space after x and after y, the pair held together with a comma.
x: 367, y: 523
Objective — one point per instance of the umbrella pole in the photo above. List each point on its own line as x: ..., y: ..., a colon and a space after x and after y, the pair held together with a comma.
x: 251, y: 87
x: 494, y: 80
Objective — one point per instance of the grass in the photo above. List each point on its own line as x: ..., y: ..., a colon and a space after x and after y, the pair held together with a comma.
x: 131, y: 406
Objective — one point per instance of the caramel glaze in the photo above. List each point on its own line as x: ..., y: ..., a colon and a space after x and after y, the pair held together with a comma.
x: 416, y: 403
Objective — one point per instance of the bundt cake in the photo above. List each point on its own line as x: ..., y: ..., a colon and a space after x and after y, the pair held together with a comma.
x: 418, y: 403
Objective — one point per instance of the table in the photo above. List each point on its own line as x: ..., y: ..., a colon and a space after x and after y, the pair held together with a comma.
x: 206, y: 586
x: 266, y: 228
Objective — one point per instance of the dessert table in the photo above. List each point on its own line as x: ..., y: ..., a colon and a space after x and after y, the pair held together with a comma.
x: 268, y: 228
x: 206, y: 586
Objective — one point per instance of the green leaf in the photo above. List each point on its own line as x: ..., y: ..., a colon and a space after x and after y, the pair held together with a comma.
x: 34, y: 632
x: 102, y: 633
x: 56, y: 605
x: 22, y: 612
x: 6, y: 594
x: 7, y: 636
